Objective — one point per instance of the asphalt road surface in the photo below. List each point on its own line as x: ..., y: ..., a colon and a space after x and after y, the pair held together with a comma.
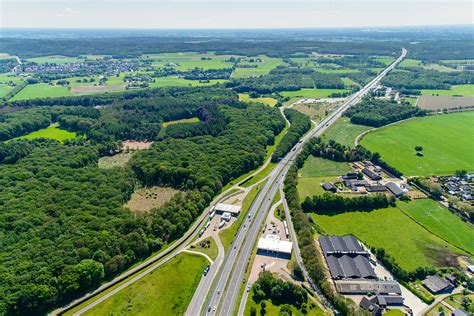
x: 225, y: 291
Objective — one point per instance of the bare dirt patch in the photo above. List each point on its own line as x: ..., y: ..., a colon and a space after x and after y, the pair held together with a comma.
x: 146, y: 199
x: 118, y: 160
x: 133, y: 145
x: 437, y: 103
x: 95, y: 89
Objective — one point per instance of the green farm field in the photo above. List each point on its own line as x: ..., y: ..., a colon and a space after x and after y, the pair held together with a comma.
x: 190, y: 60
x: 389, y: 228
x: 53, y: 132
x: 263, y: 67
x: 180, y: 82
x: 441, y: 222
x: 41, y: 90
x: 4, y: 89
x: 166, y: 291
x: 312, y: 93
x: 55, y: 59
x: 447, y: 142
x: 344, y: 132
x: 464, y: 90
x: 265, y: 100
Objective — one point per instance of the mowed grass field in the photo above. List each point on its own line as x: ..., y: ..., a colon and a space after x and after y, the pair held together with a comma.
x: 316, y: 171
x: 263, y: 68
x: 166, y: 291
x: 407, y: 242
x: 465, y: 90
x: 441, y: 222
x: 57, y: 59
x: 189, y: 60
x: 41, y: 90
x: 344, y: 132
x: 312, y: 93
x: 53, y: 132
x: 265, y: 100
x: 182, y: 121
x: 447, y: 140
x: 181, y: 82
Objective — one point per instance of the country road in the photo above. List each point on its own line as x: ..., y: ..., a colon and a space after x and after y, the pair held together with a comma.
x: 225, y: 291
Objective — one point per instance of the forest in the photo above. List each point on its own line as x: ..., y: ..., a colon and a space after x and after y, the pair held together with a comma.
x: 376, y: 112
x: 63, y: 226
x: 416, y: 79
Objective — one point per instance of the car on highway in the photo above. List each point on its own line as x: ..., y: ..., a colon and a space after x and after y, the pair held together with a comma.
x: 206, y: 270
x: 214, y: 308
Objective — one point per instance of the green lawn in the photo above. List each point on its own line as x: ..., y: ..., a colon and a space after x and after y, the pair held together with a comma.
x: 9, y: 78
x: 312, y: 186
x: 41, y: 90
x: 55, y: 59
x: 312, y: 310
x: 464, y: 90
x: 180, y: 82
x: 407, y: 242
x: 441, y: 222
x: 407, y: 62
x: 385, y: 59
x: 4, y: 89
x: 349, y: 82
x: 53, y: 132
x: 189, y: 60
x: 263, y: 68
x: 394, y: 312
x: 267, y: 101
x: 344, y: 132
x: 209, y: 249
x: 182, y: 121
x: 312, y: 93
x: 166, y: 291
x: 447, y: 142
x: 319, y: 167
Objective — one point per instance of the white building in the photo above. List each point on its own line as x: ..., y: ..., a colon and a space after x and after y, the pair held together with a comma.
x: 272, y: 245
x: 226, y: 216
x: 227, y: 208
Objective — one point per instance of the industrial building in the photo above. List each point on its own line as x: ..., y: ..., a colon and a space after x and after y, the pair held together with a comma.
x: 346, y: 259
x: 368, y: 286
x: 227, y: 208
x: 272, y: 245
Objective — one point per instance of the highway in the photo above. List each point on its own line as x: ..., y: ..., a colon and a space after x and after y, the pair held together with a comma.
x: 226, y: 288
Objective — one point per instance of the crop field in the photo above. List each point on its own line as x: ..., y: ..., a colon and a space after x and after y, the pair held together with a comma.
x: 53, y: 132
x: 439, y: 103
x: 4, y: 89
x: 459, y: 90
x: 55, y: 59
x: 41, y: 90
x: 265, y: 100
x: 389, y: 228
x: 312, y: 93
x: 441, y: 222
x: 350, y: 83
x: 182, y: 121
x: 337, y: 71
x: 263, y: 68
x: 190, y: 60
x: 344, y: 132
x: 407, y: 62
x: 166, y: 291
x: 8, y: 78
x: 316, y: 111
x: 387, y: 60
x: 446, y: 140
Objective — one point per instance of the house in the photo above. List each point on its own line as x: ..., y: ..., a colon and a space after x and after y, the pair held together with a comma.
x: 329, y: 187
x: 435, y: 284
x: 450, y: 278
x: 372, y: 175
x: 395, y: 189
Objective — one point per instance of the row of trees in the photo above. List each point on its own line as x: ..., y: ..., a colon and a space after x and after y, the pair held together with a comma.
x: 376, y: 112
x: 331, y: 204
x: 300, y: 124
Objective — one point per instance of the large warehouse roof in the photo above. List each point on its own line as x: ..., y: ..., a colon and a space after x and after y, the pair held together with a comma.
x: 343, y: 245
x: 346, y: 267
x: 366, y: 286
x: 221, y: 207
x: 273, y: 243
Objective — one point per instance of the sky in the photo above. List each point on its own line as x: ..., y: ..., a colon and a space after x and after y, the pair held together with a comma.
x: 231, y: 14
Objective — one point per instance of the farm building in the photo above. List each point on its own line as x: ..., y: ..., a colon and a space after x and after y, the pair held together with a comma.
x: 436, y: 284
x: 347, y: 267
x: 376, y: 188
x: 376, y: 303
x: 341, y: 245
x: 329, y: 187
x: 272, y: 245
x: 350, y: 176
x: 395, y: 189
x: 372, y: 307
x: 368, y: 286
x: 355, y: 183
x: 229, y: 208
x: 372, y: 175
